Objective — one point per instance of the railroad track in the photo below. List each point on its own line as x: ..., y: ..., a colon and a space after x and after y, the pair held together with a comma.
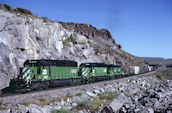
x: 49, y: 89
x: 13, y: 98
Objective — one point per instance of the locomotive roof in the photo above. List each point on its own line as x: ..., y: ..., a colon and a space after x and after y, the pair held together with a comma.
x: 50, y: 63
x: 93, y: 65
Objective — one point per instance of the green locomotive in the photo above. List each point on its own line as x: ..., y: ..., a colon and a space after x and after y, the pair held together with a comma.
x: 44, y: 70
x: 41, y: 74
x: 115, y: 71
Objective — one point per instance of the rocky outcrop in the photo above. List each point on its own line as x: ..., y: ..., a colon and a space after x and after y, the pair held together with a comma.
x: 6, y: 7
x: 17, y: 10
x: 87, y: 30
x: 24, y: 11
x: 30, y: 37
x: 90, y: 31
x: 6, y: 69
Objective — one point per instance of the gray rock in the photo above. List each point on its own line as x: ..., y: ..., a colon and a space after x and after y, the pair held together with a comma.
x: 74, y: 104
x: 150, y: 110
x: 102, y: 90
x: 32, y: 108
x: 169, y: 111
x: 160, y: 95
x: 157, y: 104
x: 137, y: 110
x: 80, y: 111
x: 90, y: 94
x: 117, y: 103
x: 96, y: 91
x: 133, y: 90
x: 81, y: 39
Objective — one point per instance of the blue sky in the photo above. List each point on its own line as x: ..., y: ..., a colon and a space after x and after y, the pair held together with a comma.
x: 142, y: 27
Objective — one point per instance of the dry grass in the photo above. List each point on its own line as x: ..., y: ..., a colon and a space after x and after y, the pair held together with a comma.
x: 96, y: 103
x: 108, y: 96
x: 25, y: 103
x: 78, y: 94
x: 100, y: 101
x: 67, y: 96
x: 3, y: 108
x: 84, y: 104
x: 164, y: 75
x: 60, y: 111
x: 149, y: 75
x: 42, y: 102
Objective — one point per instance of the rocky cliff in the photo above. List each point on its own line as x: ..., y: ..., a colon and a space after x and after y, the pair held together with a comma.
x: 24, y: 36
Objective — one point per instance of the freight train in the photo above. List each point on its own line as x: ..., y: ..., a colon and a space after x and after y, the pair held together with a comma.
x: 42, y: 74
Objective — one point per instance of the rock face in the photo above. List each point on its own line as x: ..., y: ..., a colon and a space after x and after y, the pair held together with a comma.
x: 25, y: 37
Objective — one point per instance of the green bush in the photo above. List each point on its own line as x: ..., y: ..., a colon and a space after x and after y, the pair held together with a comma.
x: 45, y: 19
x: 84, y: 104
x: 71, y: 39
x: 60, y: 111
x: 95, y: 104
x: 66, y: 43
x: 78, y: 94
x: 161, y: 77
x: 108, y: 96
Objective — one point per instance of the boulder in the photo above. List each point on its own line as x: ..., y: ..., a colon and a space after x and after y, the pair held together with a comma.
x: 90, y: 94
x: 116, y: 104
x: 150, y: 110
x: 80, y: 39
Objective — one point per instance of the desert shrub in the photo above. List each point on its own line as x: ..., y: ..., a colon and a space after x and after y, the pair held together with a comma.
x: 66, y: 43
x: 160, y: 76
x: 67, y: 96
x: 72, y: 39
x: 25, y: 103
x: 23, y: 11
x: 60, y: 111
x: 78, y: 94
x: 38, y: 51
x: 3, y: 108
x: 148, y: 75
x: 96, y: 103
x: 45, y: 19
x: 108, y: 96
x: 84, y: 104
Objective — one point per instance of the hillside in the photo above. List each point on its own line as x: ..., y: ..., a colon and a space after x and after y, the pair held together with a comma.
x: 24, y: 36
x: 159, y: 61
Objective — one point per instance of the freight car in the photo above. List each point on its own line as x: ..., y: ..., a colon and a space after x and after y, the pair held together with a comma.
x: 41, y: 74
